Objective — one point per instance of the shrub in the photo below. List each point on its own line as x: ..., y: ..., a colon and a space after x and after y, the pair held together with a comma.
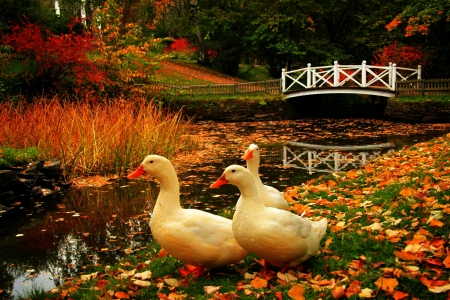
x: 54, y: 63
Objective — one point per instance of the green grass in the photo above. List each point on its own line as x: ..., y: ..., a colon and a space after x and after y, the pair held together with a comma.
x: 421, y: 99
x: 17, y: 157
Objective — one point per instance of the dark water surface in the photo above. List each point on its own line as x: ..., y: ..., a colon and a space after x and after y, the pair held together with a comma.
x: 44, y: 244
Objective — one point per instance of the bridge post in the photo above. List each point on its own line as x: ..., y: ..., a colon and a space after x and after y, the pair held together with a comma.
x: 394, y: 77
x: 336, y: 74
x: 308, y: 77
x: 363, y: 74
x: 283, y: 80
x: 419, y: 73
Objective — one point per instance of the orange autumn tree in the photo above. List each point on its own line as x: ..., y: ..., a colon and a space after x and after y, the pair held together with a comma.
x: 122, y: 50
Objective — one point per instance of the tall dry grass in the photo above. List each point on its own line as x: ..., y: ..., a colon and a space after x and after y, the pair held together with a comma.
x: 91, y: 138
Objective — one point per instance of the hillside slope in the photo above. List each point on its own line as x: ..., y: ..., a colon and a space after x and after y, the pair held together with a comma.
x: 183, y: 72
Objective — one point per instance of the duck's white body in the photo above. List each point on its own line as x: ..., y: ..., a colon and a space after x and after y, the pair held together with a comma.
x: 270, y: 196
x: 193, y: 236
x: 280, y: 237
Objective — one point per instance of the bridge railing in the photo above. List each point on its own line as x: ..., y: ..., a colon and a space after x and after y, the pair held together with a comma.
x: 362, y: 76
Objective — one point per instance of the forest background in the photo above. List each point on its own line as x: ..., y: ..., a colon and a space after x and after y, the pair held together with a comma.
x: 118, y: 47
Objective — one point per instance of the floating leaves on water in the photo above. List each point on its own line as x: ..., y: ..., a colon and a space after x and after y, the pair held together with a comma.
x: 20, y: 234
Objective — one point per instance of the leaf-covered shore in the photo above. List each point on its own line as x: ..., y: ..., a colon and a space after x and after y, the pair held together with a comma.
x: 387, y: 238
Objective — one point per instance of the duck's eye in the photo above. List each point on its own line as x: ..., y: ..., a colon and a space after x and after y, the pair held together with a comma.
x: 150, y: 162
x: 233, y: 171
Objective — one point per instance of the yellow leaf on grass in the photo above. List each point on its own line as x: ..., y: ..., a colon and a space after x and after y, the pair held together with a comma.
x: 386, y: 284
x: 408, y: 192
x: 296, y: 292
x: 258, y: 283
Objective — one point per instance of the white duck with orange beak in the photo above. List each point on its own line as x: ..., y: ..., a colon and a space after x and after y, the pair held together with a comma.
x: 270, y: 196
x: 198, y: 238
x: 280, y: 237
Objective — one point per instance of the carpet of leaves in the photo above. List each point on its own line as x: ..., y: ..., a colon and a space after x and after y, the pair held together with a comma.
x: 388, y: 238
x: 189, y: 73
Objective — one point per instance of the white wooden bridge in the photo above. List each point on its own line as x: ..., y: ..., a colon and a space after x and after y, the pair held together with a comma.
x: 346, y: 79
x: 325, y: 158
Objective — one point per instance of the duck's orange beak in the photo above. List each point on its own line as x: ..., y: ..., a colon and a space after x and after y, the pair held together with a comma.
x: 138, y: 172
x: 219, y: 182
x: 248, y: 154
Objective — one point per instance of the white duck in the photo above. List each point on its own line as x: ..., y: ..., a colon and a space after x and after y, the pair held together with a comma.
x: 269, y: 195
x: 280, y: 237
x: 193, y: 236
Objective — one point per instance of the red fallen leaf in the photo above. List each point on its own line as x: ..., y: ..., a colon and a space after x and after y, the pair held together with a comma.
x: 121, y: 295
x: 434, y: 261
x: 437, y: 243
x: 279, y: 295
x: 188, y: 269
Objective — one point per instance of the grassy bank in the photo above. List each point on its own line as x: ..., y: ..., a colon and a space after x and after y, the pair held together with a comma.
x: 386, y: 239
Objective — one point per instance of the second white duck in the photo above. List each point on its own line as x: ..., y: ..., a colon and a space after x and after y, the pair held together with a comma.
x: 193, y: 236
x: 270, y: 196
x: 280, y: 237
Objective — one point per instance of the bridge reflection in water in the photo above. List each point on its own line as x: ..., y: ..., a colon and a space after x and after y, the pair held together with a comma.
x: 324, y: 158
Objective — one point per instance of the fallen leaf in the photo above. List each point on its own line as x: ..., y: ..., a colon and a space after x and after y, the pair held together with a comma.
x: 259, y: 283
x: 209, y: 289
x: 144, y: 275
x: 296, y: 292
x: 142, y: 283
x: 386, y: 284
x: 121, y: 295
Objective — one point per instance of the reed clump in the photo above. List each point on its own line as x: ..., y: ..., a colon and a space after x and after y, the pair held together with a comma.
x: 102, y: 138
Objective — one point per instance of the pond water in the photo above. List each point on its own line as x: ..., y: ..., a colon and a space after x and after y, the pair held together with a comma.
x: 43, y: 245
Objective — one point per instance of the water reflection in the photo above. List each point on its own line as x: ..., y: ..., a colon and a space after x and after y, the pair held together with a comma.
x: 99, y: 225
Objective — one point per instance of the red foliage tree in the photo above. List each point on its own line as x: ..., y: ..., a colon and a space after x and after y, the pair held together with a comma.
x: 404, y: 56
x: 61, y: 60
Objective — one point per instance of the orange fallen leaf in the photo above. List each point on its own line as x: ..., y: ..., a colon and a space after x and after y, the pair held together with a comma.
x: 398, y: 295
x: 121, y: 295
x: 386, y: 284
x: 296, y: 292
x: 351, y: 174
x: 447, y: 261
x: 408, y: 192
x: 259, y: 283
x: 436, y: 223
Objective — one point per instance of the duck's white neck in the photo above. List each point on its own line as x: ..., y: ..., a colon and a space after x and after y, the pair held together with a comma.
x: 249, y: 192
x: 253, y: 167
x: 169, y: 194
